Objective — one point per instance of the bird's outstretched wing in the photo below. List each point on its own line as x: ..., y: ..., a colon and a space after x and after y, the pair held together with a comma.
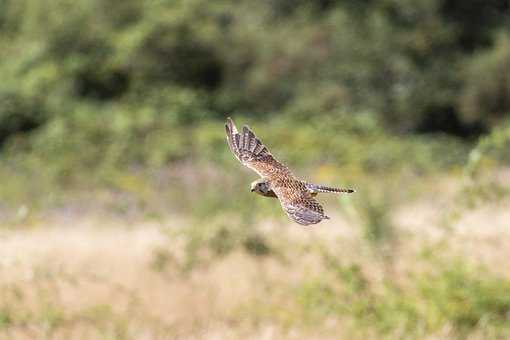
x: 297, y: 202
x: 250, y: 151
x: 293, y: 194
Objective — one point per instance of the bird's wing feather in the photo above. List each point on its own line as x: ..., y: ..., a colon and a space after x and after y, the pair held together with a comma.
x: 250, y: 151
x: 298, y: 203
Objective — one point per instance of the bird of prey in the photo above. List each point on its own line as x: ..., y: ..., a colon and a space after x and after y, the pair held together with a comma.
x: 295, y: 196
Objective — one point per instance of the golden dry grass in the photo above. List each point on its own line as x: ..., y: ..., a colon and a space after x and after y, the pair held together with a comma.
x: 102, y: 278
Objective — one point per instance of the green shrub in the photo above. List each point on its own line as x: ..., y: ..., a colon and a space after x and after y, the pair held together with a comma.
x: 487, y: 84
x: 95, y: 92
x: 453, y: 293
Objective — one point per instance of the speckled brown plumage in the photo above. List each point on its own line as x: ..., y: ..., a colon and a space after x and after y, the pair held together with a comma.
x: 294, y: 195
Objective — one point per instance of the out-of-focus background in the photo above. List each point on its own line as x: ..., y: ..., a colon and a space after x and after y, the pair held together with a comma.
x: 123, y: 215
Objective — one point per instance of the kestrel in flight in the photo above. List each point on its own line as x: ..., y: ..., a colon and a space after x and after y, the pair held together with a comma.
x: 296, y: 196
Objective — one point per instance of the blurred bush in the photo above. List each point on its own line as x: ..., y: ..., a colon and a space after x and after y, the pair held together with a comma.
x: 484, y: 171
x: 91, y: 88
x: 487, y: 85
x: 465, y: 298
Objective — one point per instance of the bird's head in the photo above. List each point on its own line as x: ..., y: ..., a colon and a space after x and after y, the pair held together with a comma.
x: 260, y: 187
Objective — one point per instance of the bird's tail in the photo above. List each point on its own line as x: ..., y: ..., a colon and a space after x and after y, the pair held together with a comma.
x: 322, y: 188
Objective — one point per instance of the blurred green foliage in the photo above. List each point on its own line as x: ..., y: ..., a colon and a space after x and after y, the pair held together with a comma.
x: 102, y: 93
x: 485, y: 181
x: 453, y: 295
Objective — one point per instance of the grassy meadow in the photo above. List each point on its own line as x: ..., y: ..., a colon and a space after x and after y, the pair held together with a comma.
x: 124, y: 215
x: 188, y: 252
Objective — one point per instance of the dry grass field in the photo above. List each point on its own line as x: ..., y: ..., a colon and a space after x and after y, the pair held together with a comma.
x: 96, y: 277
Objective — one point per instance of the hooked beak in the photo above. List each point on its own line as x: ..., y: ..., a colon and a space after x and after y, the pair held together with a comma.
x: 252, y: 190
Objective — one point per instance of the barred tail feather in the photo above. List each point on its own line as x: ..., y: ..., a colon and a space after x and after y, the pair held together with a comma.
x: 322, y: 188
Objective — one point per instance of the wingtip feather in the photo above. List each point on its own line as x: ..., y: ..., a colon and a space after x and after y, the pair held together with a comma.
x: 231, y: 125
